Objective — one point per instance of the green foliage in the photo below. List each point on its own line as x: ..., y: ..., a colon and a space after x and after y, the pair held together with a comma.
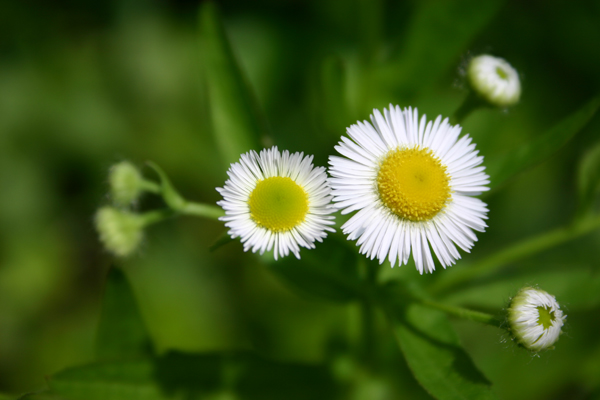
x: 129, y: 84
x: 237, y: 124
x: 436, y: 357
x: 502, y: 168
x: 588, y: 179
x: 329, y: 272
x: 446, y: 26
x: 121, y: 332
x: 194, y: 376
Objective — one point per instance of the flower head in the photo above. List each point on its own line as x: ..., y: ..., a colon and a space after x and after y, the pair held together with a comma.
x: 495, y: 80
x: 535, y: 319
x: 120, y: 232
x: 125, y: 183
x: 412, y: 183
x: 276, y: 201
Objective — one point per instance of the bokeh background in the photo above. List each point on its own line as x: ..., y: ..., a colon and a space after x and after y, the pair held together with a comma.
x: 85, y: 84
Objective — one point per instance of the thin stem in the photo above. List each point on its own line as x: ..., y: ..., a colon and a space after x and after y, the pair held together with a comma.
x: 470, y: 104
x: 150, y: 186
x: 152, y: 217
x: 517, y: 251
x: 464, y: 313
x: 368, y: 311
x: 202, y: 210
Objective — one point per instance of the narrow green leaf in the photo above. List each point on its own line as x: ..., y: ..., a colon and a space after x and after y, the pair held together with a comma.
x: 588, y: 179
x: 121, y: 332
x: 503, y: 167
x: 190, y: 376
x: 574, y: 285
x: 36, y: 396
x: 237, y: 122
x: 439, y: 32
x: 435, y: 356
x: 332, y: 100
x: 123, y: 380
x: 329, y: 272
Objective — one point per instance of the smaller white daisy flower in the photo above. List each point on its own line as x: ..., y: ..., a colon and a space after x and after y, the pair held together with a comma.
x: 277, y: 201
x: 535, y: 319
x: 495, y: 80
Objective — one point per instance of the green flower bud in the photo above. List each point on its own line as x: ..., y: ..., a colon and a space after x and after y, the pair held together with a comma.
x: 535, y: 319
x: 494, y: 80
x: 120, y: 232
x: 126, y: 183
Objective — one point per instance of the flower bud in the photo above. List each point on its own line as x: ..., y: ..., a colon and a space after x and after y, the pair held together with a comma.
x: 495, y: 80
x: 535, y: 319
x: 120, y: 231
x: 125, y: 183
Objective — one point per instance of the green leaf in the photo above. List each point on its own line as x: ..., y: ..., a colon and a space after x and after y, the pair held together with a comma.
x: 588, y: 179
x: 237, y: 122
x: 435, y: 356
x: 328, y: 271
x: 503, y: 167
x: 576, y: 286
x: 36, y: 396
x: 439, y: 32
x: 121, y: 332
x: 109, y: 381
x: 331, y: 105
x: 189, y: 376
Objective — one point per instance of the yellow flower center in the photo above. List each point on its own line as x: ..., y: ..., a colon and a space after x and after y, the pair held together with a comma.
x: 545, y: 317
x: 278, y: 204
x: 413, y: 183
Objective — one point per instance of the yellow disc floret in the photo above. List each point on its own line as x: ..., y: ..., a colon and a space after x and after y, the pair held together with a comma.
x: 278, y: 204
x: 413, y: 183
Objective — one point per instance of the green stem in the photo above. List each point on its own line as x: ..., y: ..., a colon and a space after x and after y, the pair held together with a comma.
x: 517, y: 251
x: 464, y: 313
x: 150, y: 186
x: 470, y: 104
x: 152, y: 217
x: 368, y: 311
x: 202, y: 210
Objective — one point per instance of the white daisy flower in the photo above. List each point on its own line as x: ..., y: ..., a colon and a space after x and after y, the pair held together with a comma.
x: 535, y: 319
x: 412, y: 183
x: 495, y: 80
x: 277, y: 201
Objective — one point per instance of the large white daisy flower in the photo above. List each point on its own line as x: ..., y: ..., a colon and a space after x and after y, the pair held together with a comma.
x: 411, y: 182
x: 535, y: 319
x: 495, y: 80
x: 277, y: 201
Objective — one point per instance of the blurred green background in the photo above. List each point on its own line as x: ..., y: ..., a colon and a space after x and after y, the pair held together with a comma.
x: 86, y: 84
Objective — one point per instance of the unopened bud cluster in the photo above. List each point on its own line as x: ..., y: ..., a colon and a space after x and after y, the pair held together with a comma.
x: 120, y: 230
x: 535, y: 319
x: 125, y: 183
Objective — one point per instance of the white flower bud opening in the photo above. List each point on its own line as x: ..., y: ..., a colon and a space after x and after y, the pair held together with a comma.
x: 495, y: 80
x: 535, y: 319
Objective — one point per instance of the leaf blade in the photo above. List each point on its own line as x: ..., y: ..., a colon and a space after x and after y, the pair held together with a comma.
x: 503, y: 167
x: 237, y: 122
x: 435, y: 356
x: 438, y: 33
x: 121, y: 332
